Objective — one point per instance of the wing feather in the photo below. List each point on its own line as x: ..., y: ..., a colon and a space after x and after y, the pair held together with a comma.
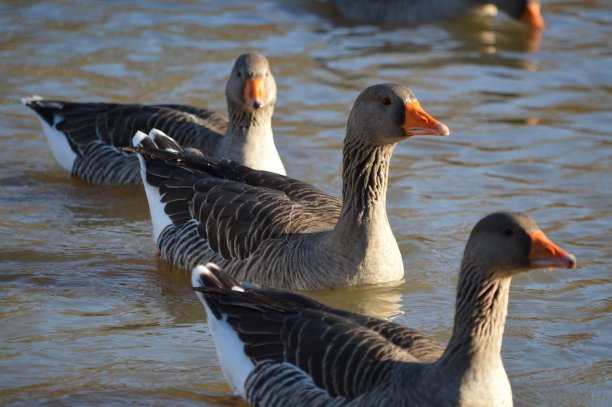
x: 321, y: 343
x: 234, y: 216
x: 115, y: 124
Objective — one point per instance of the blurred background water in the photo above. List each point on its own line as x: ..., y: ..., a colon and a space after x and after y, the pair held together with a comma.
x: 89, y: 316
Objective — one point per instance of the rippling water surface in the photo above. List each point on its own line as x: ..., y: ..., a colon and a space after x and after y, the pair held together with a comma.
x: 89, y: 316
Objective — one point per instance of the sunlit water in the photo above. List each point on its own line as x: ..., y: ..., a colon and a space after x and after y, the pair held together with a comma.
x: 89, y: 316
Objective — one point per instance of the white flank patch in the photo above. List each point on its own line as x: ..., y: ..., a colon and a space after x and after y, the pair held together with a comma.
x: 235, y: 364
x: 59, y: 144
x: 158, y: 216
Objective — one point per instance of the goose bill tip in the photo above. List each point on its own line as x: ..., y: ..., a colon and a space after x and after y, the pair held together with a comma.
x: 440, y: 129
x: 546, y: 254
x: 254, y: 93
x: 417, y: 122
x: 532, y: 16
x: 566, y: 261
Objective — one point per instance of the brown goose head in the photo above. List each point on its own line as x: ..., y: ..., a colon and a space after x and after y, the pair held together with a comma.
x: 388, y: 113
x: 504, y: 244
x: 251, y: 85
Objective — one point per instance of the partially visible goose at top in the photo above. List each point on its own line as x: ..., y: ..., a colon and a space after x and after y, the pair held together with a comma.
x: 86, y: 138
x: 425, y: 11
x: 277, y: 348
x: 277, y: 231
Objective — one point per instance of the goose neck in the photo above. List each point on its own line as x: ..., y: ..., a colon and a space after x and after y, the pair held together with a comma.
x: 480, y: 316
x: 249, y: 124
x: 365, y: 173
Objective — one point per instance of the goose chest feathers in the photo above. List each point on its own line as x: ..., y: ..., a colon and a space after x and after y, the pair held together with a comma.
x: 278, y: 348
x: 86, y: 139
x: 277, y: 231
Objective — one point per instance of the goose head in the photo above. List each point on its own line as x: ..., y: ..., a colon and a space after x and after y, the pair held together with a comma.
x: 251, y: 85
x: 388, y: 113
x: 504, y: 244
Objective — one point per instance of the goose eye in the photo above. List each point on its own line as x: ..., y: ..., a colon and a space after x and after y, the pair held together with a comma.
x: 239, y: 74
x: 385, y: 101
x: 508, y: 232
x: 267, y: 73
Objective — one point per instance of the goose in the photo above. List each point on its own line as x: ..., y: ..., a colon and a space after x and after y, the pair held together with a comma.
x: 279, y: 348
x: 420, y: 11
x: 277, y: 231
x: 86, y: 138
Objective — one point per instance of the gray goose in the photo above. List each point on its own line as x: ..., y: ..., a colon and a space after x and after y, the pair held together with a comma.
x: 278, y: 348
x: 423, y: 11
x: 277, y: 231
x: 86, y: 138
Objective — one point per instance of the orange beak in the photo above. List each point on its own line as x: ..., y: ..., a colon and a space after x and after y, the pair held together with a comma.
x: 532, y: 16
x: 418, y: 123
x: 546, y: 254
x: 254, y: 93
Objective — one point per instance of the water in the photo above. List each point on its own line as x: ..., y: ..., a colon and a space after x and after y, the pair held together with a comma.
x: 89, y: 316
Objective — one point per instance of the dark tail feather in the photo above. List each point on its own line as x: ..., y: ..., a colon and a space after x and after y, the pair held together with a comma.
x: 164, y: 142
x: 45, y: 109
x: 212, y: 276
x: 210, y: 279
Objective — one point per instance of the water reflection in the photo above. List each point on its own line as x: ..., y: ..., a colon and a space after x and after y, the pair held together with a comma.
x: 380, y: 301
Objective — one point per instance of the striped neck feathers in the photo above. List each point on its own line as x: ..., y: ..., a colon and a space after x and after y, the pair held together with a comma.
x: 365, y: 174
x: 480, y: 316
x: 245, y: 122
